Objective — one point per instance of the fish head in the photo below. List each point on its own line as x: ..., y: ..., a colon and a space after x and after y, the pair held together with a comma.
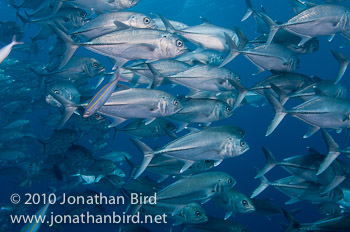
x: 225, y: 182
x: 240, y: 146
x: 63, y: 89
x: 141, y: 21
x: 242, y: 204
x: 170, y: 46
x: 168, y: 105
x: 311, y: 45
x: 215, y: 59
x: 194, y: 213
x: 93, y: 67
x: 100, y: 167
x: 79, y: 17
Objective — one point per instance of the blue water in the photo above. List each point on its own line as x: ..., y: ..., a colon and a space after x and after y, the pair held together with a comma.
x: 286, y: 141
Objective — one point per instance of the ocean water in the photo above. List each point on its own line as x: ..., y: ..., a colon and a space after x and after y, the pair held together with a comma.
x: 286, y: 141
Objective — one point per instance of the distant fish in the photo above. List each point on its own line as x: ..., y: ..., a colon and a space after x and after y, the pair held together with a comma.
x: 5, y: 51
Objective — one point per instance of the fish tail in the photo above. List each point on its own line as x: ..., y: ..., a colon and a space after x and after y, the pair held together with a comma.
x: 333, y: 152
x: 280, y: 112
x: 270, y: 163
x: 264, y: 184
x: 242, y: 92
x: 343, y: 64
x: 157, y: 76
x: 233, y: 51
x: 249, y: 10
x: 132, y: 166
x: 273, y: 28
x: 71, y: 46
x: 148, y: 155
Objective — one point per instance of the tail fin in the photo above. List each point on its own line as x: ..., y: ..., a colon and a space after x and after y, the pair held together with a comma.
x: 343, y: 62
x: 69, y: 108
x: 333, y: 152
x: 132, y: 166
x: 264, y: 184
x: 270, y: 163
x: 157, y: 76
x: 273, y: 28
x: 281, y: 93
x: 148, y: 156
x: 249, y: 10
x: 71, y: 46
x: 233, y: 51
x: 280, y: 112
x: 241, y: 93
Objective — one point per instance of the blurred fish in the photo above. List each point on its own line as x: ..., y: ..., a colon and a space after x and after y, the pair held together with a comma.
x: 104, y: 5
x: 5, y: 51
x: 217, y: 225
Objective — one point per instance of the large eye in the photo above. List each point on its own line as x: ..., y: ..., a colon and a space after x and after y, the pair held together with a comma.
x: 221, y: 58
x: 56, y: 91
x: 94, y: 64
x: 230, y: 181
x: 228, y: 109
x: 146, y: 20
x: 179, y: 43
x: 244, y: 202
x: 242, y: 143
x: 175, y: 102
x: 198, y: 213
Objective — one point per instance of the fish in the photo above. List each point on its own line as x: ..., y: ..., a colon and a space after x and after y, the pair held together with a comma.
x: 5, y: 51
x: 216, y: 143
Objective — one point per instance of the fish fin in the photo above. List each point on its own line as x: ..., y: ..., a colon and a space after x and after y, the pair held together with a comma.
x: 170, y: 133
x: 205, y: 201
x: 132, y: 166
x: 71, y: 47
x: 331, y: 37
x: 187, y: 164
x: 241, y: 38
x: 217, y: 162
x: 303, y: 40
x: 162, y: 178
x: 280, y: 112
x: 333, y: 152
x: 293, y: 224
x: 270, y: 163
x: 337, y: 180
x: 292, y: 201
x: 312, y: 130
x: 119, y: 62
x: 148, y: 121
x: 260, y: 70
x: 115, y: 121
x: 282, y: 94
x: 120, y: 25
x: 228, y: 214
x: 148, y: 156
x: 313, y: 151
x: 233, y: 51
x: 343, y: 64
x: 249, y: 10
x: 169, y: 28
x: 273, y: 28
x: 264, y: 184
x: 181, y: 126
x: 299, y: 6
x: 157, y: 76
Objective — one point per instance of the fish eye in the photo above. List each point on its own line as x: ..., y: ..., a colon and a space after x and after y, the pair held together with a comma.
x: 198, y: 213
x: 207, y: 161
x: 238, y: 79
x: 146, y: 20
x: 241, y: 132
x: 242, y: 143
x: 175, y: 102
x: 179, y: 43
x: 221, y: 58
x: 244, y: 202
x: 228, y: 109
x: 230, y: 181
x: 94, y: 64
x: 56, y: 91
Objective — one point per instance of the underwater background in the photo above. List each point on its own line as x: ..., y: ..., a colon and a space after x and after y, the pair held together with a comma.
x: 286, y: 141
